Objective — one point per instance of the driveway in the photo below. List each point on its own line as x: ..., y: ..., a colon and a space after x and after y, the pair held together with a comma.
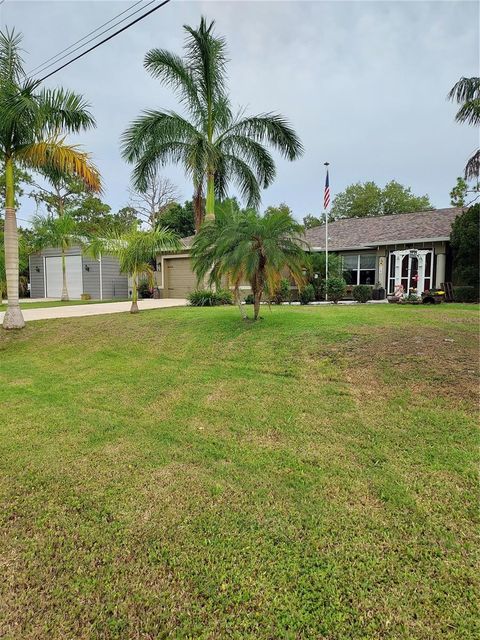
x: 76, y: 311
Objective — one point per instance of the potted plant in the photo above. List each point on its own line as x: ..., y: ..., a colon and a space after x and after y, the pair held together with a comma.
x: 433, y: 296
x: 378, y: 292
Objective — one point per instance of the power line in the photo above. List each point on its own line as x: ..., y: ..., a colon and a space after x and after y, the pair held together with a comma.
x: 56, y: 58
x: 116, y: 33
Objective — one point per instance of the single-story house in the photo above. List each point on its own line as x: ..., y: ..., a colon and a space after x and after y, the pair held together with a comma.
x: 100, y: 278
x: 411, y: 249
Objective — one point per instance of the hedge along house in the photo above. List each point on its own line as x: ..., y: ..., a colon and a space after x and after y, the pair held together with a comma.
x: 411, y: 249
x: 101, y: 278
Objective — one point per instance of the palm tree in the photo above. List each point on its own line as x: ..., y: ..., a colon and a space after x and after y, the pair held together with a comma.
x: 33, y: 123
x: 466, y: 92
x: 135, y: 250
x: 60, y: 232
x: 214, y: 146
x: 247, y: 246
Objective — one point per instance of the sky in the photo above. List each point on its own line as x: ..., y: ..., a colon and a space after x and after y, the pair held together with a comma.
x: 363, y: 83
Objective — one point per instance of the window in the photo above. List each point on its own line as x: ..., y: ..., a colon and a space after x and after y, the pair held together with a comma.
x: 360, y: 268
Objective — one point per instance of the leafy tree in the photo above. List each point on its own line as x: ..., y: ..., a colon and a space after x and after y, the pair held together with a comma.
x: 463, y: 194
x: 367, y: 200
x: 61, y: 231
x: 244, y: 245
x: 214, y: 146
x: 464, y: 241
x: 135, y: 250
x: 32, y: 127
x: 21, y: 178
x: 309, y: 221
x: 179, y: 218
x: 466, y: 92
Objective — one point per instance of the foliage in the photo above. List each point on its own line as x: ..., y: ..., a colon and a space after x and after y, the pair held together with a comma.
x: 282, y: 292
x: 209, y: 298
x: 21, y: 179
x: 179, y: 218
x: 465, y: 294
x: 215, y: 146
x: 465, y: 244
x: 362, y: 292
x: 246, y: 246
x: 249, y: 299
x: 336, y: 289
x: 466, y: 93
x: 309, y: 221
x: 464, y: 194
x: 367, y: 200
x: 145, y: 289
x: 135, y: 250
x: 316, y: 265
x: 307, y: 294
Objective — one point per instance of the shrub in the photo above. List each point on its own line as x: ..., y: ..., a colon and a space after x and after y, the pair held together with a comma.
x: 209, y: 298
x: 307, y: 294
x: 465, y: 239
x: 464, y: 294
x: 249, y: 299
x: 144, y: 289
x: 336, y: 288
x: 362, y: 292
x: 282, y: 292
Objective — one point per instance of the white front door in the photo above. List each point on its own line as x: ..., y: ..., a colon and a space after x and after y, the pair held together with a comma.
x: 53, y: 271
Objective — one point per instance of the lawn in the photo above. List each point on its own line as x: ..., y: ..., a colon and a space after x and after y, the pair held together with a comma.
x: 58, y: 303
x: 181, y: 474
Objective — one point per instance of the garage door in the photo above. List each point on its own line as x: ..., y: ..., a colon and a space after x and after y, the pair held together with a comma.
x: 180, y: 277
x: 54, y: 276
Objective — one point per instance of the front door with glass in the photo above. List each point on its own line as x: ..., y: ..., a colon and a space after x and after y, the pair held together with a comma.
x: 411, y: 268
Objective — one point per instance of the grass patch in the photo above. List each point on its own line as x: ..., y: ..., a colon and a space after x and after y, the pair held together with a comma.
x: 181, y: 474
x: 58, y: 303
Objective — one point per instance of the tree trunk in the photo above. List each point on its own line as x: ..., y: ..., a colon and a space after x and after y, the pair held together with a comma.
x: 198, y: 212
x: 64, y: 297
x: 134, y: 308
x: 13, y: 316
x: 210, y: 204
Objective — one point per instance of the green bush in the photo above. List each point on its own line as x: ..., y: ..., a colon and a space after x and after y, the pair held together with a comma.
x: 464, y: 294
x: 249, y: 299
x: 144, y: 289
x: 336, y: 288
x: 362, y: 292
x: 282, y: 292
x: 209, y: 298
x: 307, y: 294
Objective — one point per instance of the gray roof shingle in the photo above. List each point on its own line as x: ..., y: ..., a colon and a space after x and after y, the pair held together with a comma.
x: 357, y: 233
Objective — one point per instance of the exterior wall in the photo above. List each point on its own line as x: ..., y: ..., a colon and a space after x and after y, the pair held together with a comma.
x: 114, y: 283
x: 37, y: 276
x: 91, y: 277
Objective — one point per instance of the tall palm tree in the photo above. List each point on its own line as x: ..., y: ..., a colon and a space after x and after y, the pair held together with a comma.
x: 135, y: 250
x: 466, y: 92
x: 214, y: 145
x: 60, y: 232
x: 248, y: 246
x: 33, y: 123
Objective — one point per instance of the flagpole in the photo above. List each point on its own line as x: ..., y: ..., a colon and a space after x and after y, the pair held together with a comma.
x: 325, y: 207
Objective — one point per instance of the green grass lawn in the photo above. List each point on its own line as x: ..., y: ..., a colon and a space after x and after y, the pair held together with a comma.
x: 58, y: 303
x: 181, y: 474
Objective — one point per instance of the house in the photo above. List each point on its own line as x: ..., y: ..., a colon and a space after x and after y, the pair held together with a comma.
x: 100, y: 278
x: 411, y: 249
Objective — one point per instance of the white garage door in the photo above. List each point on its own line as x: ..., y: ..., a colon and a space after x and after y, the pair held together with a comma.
x: 54, y: 276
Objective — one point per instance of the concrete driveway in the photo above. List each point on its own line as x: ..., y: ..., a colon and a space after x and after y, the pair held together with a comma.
x: 76, y: 311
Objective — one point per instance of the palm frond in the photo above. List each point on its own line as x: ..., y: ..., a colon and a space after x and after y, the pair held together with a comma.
x: 62, y: 110
x: 11, y: 62
x: 472, y: 168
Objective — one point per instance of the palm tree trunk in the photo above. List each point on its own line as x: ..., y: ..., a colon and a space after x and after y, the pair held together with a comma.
x: 134, y: 307
x: 257, y: 296
x: 210, y: 204
x: 198, y: 212
x: 64, y: 297
x: 13, y: 316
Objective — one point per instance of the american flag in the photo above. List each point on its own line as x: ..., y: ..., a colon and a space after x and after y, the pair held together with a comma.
x: 326, y: 193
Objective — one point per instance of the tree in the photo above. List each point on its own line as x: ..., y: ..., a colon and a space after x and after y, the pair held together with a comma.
x: 309, y: 221
x: 214, y: 146
x: 367, y: 200
x: 63, y: 232
x: 154, y: 200
x: 466, y: 92
x: 135, y: 249
x: 465, y: 244
x: 21, y: 178
x: 179, y: 218
x: 244, y: 245
x: 462, y: 194
x: 32, y: 127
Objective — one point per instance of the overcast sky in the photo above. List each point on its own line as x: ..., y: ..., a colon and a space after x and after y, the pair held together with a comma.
x: 363, y: 83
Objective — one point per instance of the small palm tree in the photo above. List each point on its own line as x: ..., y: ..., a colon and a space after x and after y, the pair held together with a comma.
x: 32, y: 127
x: 247, y: 246
x: 214, y: 146
x: 466, y: 92
x: 60, y: 232
x: 135, y: 250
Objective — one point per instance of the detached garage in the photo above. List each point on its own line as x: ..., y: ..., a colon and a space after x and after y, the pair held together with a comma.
x: 101, y: 278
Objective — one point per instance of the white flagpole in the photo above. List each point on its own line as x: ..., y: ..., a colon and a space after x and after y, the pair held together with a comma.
x: 326, y: 238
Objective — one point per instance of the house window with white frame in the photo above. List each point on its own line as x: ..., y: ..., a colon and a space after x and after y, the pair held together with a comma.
x: 359, y: 268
